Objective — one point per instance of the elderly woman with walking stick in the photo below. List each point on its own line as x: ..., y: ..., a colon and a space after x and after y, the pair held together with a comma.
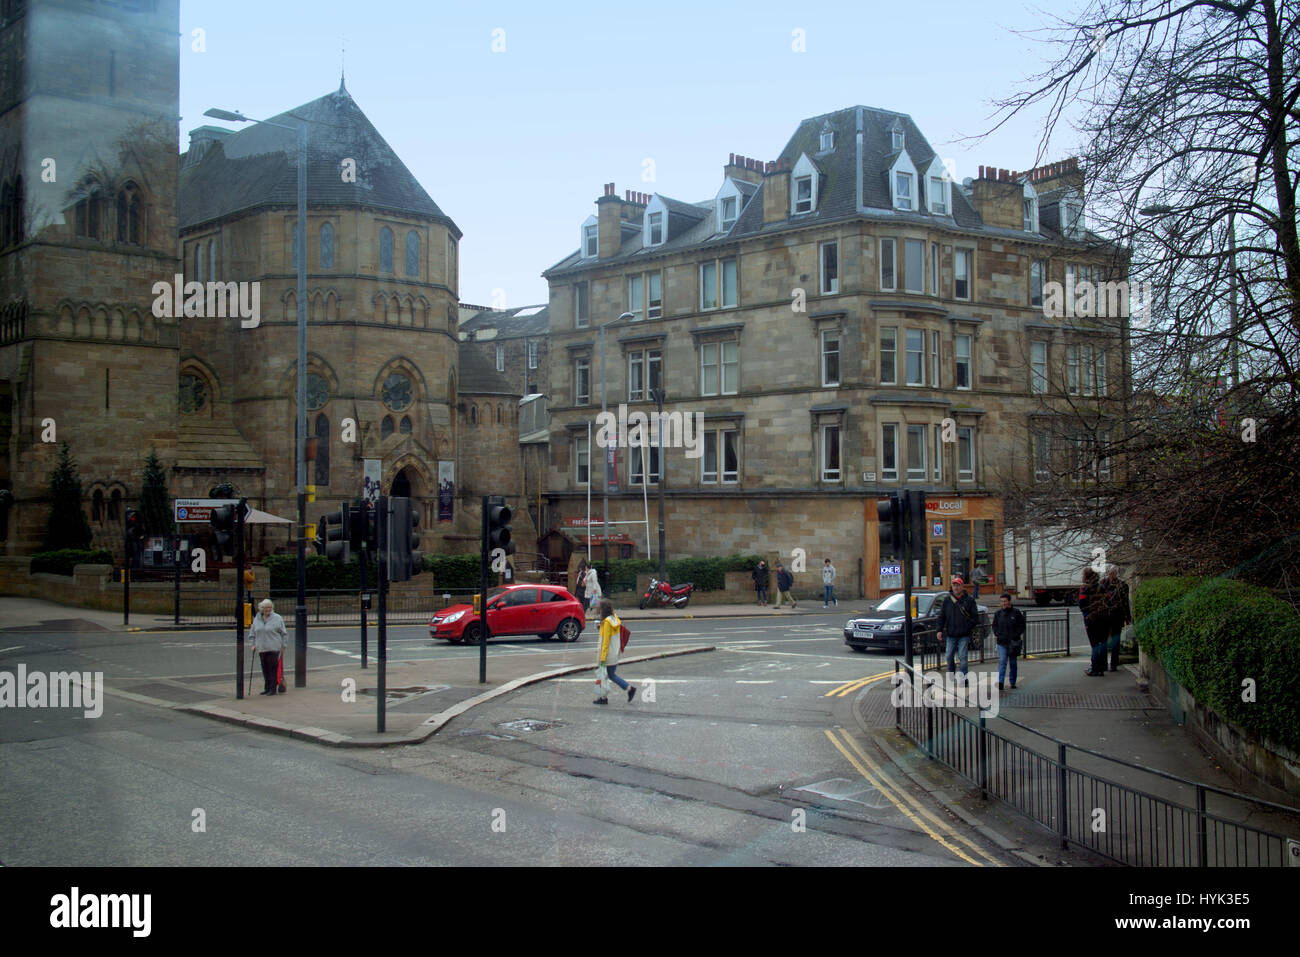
x: 268, y: 634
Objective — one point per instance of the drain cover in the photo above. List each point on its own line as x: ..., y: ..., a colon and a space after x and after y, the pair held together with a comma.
x: 528, y: 724
x: 399, y: 694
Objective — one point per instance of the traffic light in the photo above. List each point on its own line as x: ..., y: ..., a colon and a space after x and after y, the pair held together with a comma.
x: 889, y: 514
x: 222, y: 521
x: 498, y: 524
x: 404, y: 558
x: 915, y: 521
x: 362, y: 533
x: 337, y: 529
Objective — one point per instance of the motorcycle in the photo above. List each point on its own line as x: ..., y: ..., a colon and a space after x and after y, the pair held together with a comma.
x: 663, y: 594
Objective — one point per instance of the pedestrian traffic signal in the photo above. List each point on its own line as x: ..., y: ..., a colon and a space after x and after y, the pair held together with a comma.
x: 337, y: 531
x: 914, y: 521
x: 889, y: 513
x: 404, y: 558
x: 362, y: 532
x: 498, y: 525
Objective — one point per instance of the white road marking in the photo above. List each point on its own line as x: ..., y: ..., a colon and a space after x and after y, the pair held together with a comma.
x: 12, y: 648
x: 787, y: 654
x: 740, y: 682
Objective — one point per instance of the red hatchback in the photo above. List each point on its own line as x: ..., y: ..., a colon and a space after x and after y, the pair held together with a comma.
x: 541, y: 610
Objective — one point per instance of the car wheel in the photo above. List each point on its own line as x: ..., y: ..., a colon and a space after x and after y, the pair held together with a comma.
x: 569, y: 630
x: 472, y: 634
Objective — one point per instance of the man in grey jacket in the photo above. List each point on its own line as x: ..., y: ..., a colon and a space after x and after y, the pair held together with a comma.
x: 828, y: 585
x: 268, y: 634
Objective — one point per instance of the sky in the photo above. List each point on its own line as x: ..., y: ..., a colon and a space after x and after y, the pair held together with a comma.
x: 512, y: 116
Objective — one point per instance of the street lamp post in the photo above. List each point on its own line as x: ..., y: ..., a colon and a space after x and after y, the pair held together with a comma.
x: 300, y: 610
x: 604, y: 484
x: 659, y: 395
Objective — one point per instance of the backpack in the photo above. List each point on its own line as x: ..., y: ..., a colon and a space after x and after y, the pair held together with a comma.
x: 623, y: 636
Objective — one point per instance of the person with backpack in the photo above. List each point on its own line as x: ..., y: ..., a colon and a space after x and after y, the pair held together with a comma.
x: 760, y: 575
x: 784, y: 582
x: 1009, y: 628
x: 1094, y: 604
x: 958, y: 616
x: 611, y: 644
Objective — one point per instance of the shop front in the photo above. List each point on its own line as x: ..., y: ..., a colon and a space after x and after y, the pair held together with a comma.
x: 960, y: 538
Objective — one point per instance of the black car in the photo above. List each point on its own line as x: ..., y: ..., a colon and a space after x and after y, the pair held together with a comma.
x: 882, y: 629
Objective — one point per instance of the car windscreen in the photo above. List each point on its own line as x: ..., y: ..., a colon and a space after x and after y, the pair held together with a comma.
x: 894, y: 604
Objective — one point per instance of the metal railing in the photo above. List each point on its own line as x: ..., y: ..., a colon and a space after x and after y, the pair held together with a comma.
x: 324, y: 606
x: 1043, y: 636
x: 1072, y: 791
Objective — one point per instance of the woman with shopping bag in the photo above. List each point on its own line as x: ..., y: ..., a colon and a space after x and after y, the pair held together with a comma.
x: 607, y: 657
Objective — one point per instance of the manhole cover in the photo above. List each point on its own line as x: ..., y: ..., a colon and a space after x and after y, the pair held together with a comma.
x: 400, y: 694
x: 1091, y: 702
x: 528, y: 724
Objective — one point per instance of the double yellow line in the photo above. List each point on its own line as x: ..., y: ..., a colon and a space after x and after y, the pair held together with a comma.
x: 942, y: 831
x: 851, y: 686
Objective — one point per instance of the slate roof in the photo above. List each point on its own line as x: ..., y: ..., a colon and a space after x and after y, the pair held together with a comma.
x: 204, y: 443
x: 695, y: 224
x: 257, y: 165
x: 509, y: 324
x: 478, y: 375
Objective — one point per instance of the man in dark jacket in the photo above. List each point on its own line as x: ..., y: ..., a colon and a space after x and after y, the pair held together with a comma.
x: 1009, y: 627
x: 1095, y: 606
x: 784, y: 582
x: 760, y: 575
x: 958, y: 617
x: 1117, y: 599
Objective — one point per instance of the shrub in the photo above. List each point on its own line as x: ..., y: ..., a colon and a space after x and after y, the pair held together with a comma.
x: 62, y: 561
x: 1211, y: 635
x: 321, y: 573
x: 707, y: 574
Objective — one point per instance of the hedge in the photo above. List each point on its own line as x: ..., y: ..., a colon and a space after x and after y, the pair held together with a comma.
x: 707, y: 574
x: 62, y: 561
x: 1211, y: 635
x: 448, y: 572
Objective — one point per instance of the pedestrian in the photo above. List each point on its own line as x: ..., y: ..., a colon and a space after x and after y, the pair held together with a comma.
x: 760, y: 576
x: 1009, y: 628
x: 784, y: 582
x: 979, y: 578
x: 580, y: 584
x: 607, y: 660
x: 593, y: 587
x: 1120, y: 613
x: 828, y: 585
x: 268, y: 636
x: 1093, y: 604
x: 958, y: 616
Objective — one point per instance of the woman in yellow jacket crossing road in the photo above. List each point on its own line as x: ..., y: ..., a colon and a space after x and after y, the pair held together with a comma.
x: 607, y: 661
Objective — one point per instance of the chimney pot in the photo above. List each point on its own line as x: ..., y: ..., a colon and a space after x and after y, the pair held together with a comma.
x: 732, y: 160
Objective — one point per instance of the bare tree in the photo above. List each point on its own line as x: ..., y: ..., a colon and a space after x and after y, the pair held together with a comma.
x: 1187, y: 114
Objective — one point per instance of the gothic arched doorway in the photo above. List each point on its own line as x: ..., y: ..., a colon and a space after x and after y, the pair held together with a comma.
x: 402, y: 484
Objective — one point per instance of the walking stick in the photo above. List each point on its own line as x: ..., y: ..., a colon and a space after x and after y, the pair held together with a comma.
x: 250, y: 678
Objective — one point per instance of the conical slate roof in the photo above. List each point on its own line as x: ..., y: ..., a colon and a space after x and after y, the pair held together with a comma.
x: 258, y: 166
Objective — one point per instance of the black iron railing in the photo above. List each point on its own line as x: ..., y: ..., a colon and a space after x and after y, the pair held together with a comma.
x: 1073, y: 792
x: 1043, y: 636
x: 216, y: 606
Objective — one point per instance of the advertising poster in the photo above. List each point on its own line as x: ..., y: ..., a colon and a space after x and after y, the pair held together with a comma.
x: 446, y: 490
x: 370, y: 482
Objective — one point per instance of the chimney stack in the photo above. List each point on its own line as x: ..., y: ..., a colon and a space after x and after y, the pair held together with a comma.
x: 744, y: 168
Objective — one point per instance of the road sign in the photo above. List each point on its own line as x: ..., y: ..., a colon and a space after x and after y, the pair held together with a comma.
x: 199, y: 509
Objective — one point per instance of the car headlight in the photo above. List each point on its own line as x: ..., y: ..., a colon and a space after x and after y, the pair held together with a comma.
x: 891, y: 626
x: 456, y: 617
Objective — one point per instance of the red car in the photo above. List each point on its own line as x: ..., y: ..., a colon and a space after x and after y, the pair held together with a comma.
x: 541, y: 610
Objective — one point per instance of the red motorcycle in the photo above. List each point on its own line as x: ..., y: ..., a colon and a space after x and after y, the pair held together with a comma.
x: 664, y: 594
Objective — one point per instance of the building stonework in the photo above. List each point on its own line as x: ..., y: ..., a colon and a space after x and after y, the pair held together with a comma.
x: 843, y: 334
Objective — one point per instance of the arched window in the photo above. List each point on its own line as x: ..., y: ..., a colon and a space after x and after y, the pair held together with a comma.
x: 498, y: 415
x: 97, y: 506
x: 405, y: 425
x: 128, y: 214
x: 326, y: 246
x: 473, y: 415
x: 412, y: 254
x: 115, y: 506
x: 386, y: 427
x: 294, y: 243
x: 385, y: 250
x: 89, y: 213
x: 198, y: 262
x: 322, y: 450
x: 212, y: 260
x: 123, y: 214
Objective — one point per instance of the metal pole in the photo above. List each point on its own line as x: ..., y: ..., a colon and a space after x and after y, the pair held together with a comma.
x: 1202, y: 834
x: 663, y: 475
x: 604, y: 470
x: 300, y: 611
x: 483, y: 580
x: 126, y: 580
x: 239, y: 602
x: 382, y: 691
x: 904, y: 505
x: 365, y: 560
x: 1061, y: 817
x: 176, y: 599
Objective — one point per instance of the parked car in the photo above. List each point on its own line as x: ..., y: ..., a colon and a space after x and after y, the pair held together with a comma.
x: 541, y: 610
x: 882, y: 628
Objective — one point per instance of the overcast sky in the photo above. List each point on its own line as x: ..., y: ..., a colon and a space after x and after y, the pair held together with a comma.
x: 515, y: 145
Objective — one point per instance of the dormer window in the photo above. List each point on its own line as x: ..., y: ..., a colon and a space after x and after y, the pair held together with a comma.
x: 896, y: 138
x: 803, y: 194
x: 590, y: 240
x: 903, y: 190
x: 827, y: 140
x: 1030, y: 207
x: 1072, y: 217
x: 656, y: 221
x: 938, y: 195
x: 728, y: 212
